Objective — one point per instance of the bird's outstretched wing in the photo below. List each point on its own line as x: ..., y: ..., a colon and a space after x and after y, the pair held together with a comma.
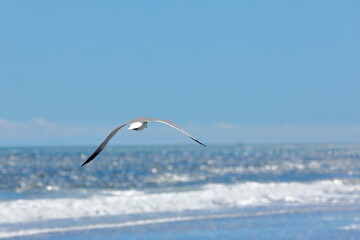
x: 171, y: 124
x: 103, y: 144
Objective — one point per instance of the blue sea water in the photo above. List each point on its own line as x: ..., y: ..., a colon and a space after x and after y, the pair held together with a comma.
x: 181, y: 192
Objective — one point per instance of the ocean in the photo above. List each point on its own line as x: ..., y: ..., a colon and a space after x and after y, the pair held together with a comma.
x: 181, y: 192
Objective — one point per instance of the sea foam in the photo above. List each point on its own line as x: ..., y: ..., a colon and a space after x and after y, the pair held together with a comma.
x: 212, y: 196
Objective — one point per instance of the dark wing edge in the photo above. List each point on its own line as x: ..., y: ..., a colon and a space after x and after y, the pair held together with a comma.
x: 171, y: 124
x: 103, y: 144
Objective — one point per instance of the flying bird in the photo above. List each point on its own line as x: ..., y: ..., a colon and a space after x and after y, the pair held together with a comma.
x: 137, y: 124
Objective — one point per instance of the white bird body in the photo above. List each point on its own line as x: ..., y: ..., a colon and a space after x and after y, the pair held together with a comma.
x: 137, y: 124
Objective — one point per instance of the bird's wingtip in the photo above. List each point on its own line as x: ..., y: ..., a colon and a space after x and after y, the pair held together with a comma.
x: 199, y: 142
x: 84, y: 163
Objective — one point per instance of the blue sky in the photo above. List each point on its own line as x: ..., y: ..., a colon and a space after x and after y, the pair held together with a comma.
x: 227, y: 71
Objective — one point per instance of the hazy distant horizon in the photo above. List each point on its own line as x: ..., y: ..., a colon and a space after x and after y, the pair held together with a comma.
x: 39, y: 132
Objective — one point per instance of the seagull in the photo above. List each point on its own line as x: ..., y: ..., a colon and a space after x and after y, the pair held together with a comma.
x: 137, y: 124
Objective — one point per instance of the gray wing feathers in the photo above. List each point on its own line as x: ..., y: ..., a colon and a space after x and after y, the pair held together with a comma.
x: 171, y: 124
x: 103, y: 144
